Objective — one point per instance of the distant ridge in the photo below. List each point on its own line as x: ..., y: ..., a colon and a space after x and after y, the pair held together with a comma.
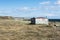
x: 6, y: 17
x: 53, y: 20
x: 25, y: 18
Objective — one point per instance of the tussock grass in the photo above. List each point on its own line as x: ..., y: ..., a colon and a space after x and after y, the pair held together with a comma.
x: 20, y: 30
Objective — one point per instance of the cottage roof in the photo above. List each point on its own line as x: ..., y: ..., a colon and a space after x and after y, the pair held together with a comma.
x: 41, y: 18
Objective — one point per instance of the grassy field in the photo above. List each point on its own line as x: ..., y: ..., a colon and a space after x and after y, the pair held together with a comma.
x: 21, y: 30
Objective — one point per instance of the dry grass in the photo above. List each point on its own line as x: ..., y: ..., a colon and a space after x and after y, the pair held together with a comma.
x: 20, y: 30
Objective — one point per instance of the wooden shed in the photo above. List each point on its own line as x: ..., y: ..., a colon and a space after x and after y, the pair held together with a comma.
x: 39, y: 20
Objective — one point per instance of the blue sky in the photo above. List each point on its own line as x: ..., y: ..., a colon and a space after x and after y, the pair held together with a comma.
x: 30, y: 8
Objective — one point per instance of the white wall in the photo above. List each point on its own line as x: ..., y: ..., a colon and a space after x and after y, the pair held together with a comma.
x: 41, y: 21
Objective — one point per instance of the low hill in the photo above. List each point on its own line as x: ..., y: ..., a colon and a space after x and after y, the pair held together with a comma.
x: 6, y: 17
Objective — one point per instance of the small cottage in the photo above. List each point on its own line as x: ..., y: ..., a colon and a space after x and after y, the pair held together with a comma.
x: 39, y: 20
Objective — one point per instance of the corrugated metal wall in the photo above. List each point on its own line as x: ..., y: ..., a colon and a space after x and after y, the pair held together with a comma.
x: 39, y: 21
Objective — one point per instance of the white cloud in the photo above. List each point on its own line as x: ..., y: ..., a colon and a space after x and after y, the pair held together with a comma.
x: 57, y: 2
x: 7, y: 11
x: 25, y: 9
x: 48, y: 2
x: 50, y: 14
x: 34, y: 8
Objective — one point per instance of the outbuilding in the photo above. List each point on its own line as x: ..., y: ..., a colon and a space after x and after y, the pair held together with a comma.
x: 39, y: 20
